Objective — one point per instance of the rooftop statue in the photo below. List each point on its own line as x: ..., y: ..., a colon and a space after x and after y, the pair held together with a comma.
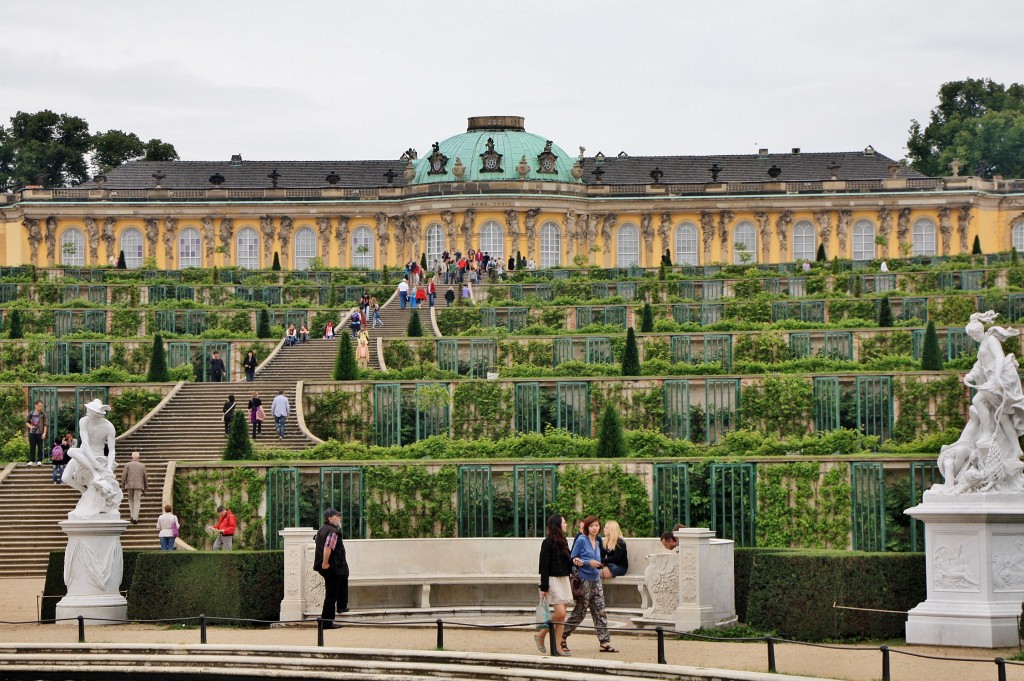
x: 91, y: 471
x: 987, y: 456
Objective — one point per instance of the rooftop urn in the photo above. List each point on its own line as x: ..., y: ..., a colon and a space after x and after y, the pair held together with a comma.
x: 577, y: 170
x: 410, y: 170
x: 774, y: 171
x: 657, y: 174
x: 333, y: 178
x: 458, y: 170
x: 523, y: 168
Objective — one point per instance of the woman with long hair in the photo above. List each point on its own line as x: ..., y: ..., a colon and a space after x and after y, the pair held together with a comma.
x: 614, y: 557
x: 586, y: 555
x: 555, y: 566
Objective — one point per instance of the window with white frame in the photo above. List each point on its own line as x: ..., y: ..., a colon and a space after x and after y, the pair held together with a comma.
x: 627, y: 246
x: 492, y: 240
x: 362, y: 248
x: 247, y: 246
x: 744, y: 243
x: 550, y: 245
x: 435, y: 244
x: 72, y: 247
x: 131, y: 245
x: 189, y: 245
x: 803, y: 241
x: 1018, y: 237
x: 686, y: 244
x: 924, y: 237
x: 305, y: 247
x: 864, y: 240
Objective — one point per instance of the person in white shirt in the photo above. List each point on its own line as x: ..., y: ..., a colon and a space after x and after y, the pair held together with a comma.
x: 884, y: 267
x: 403, y: 293
x: 280, y: 409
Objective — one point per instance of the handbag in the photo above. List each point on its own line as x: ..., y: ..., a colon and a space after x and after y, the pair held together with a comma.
x: 579, y: 592
x: 260, y: 416
x: 174, y: 528
x: 543, y: 614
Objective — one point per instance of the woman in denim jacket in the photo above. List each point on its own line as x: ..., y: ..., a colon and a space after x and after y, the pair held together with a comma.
x: 586, y: 556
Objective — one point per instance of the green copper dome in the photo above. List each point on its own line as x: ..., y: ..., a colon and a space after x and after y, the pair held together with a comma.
x: 491, y: 150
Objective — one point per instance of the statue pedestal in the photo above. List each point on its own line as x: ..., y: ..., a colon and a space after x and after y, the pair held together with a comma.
x: 93, y: 568
x: 975, y: 570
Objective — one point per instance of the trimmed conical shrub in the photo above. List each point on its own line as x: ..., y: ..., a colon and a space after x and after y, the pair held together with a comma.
x: 277, y: 262
x: 239, y: 446
x: 345, y: 368
x: 976, y: 249
x: 647, y: 319
x: 158, y: 362
x: 667, y: 258
x: 931, y: 360
x: 423, y: 262
x: 15, y: 322
x: 631, y: 355
x: 121, y: 264
x: 821, y: 257
x: 885, y: 313
x: 611, y: 442
x: 415, y: 328
x: 263, y: 324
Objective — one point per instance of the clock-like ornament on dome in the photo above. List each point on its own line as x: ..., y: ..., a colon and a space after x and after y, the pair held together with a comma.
x: 437, y: 161
x: 546, y: 160
x: 491, y: 159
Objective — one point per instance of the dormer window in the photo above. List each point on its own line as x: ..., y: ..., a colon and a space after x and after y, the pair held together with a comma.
x: 546, y: 160
x: 491, y: 160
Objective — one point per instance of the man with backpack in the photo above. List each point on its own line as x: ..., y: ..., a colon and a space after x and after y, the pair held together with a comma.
x: 356, y: 322
x: 57, y: 455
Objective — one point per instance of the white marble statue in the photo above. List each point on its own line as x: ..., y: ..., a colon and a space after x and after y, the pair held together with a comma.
x: 986, y: 457
x: 90, y: 471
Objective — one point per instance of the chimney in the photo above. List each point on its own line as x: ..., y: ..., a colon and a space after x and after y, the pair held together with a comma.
x: 236, y: 159
x: 763, y: 153
x: 796, y: 151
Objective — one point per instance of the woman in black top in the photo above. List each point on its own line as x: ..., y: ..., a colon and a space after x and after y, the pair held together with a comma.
x: 249, y: 364
x: 613, y: 553
x: 255, y: 407
x: 555, y: 567
x: 229, y: 413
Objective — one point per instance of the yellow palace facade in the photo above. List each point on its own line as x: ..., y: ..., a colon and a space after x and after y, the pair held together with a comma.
x: 500, y: 189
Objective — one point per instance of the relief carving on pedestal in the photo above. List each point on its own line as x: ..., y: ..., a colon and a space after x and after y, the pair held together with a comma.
x: 315, y: 590
x: 1008, y: 563
x: 954, y: 571
x: 92, y: 232
x: 662, y: 580
x: 688, y: 575
x: 50, y: 236
x: 292, y: 570
x: 35, y: 237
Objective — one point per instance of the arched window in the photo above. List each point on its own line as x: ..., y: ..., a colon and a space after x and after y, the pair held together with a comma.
x: 362, y: 248
x: 686, y: 244
x: 744, y: 243
x: 627, y: 246
x: 72, y: 247
x: 435, y: 244
x: 131, y: 244
x: 1018, y: 236
x: 550, y: 245
x: 492, y: 240
x: 863, y: 240
x: 924, y: 237
x: 803, y: 241
x: 247, y: 244
x: 305, y: 247
x: 189, y: 248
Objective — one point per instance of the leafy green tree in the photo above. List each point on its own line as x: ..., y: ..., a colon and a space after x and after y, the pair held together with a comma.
x: 15, y: 330
x: 976, y: 248
x: 276, y: 267
x: 158, y: 372
x: 263, y: 324
x: 631, y: 355
x: 611, y: 442
x: 979, y: 123
x: 415, y: 328
x: 158, y: 150
x: 885, y: 313
x: 44, y: 147
x: 239, y: 446
x: 114, y: 148
x: 647, y: 319
x: 345, y: 368
x: 931, y: 360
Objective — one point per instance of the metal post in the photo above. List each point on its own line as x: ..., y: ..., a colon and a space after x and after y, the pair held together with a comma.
x: 771, y: 654
x: 81, y: 629
x: 320, y: 632
x: 551, y: 638
x: 1001, y: 669
x: 661, y: 645
x: 440, y: 634
x: 886, y: 674
x: 202, y: 628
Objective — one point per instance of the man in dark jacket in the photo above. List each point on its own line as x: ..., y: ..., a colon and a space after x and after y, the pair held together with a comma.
x: 329, y: 561
x: 217, y: 369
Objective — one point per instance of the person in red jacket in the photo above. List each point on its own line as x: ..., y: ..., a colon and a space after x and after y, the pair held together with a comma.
x: 226, y: 525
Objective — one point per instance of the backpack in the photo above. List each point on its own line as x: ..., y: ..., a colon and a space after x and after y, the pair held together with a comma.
x: 57, y: 453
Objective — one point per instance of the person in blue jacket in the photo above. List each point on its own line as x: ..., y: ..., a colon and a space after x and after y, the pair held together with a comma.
x: 586, y: 556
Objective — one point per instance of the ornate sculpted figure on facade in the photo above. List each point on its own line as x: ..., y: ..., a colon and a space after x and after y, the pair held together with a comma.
x: 398, y: 229
x: 647, y: 231
x: 824, y: 220
x: 468, y: 222
x: 267, y: 230
x: 531, y: 231
x: 207, y: 225
x: 945, y: 228
x: 323, y: 227
x: 412, y: 234
x: 50, y: 236
x: 707, y: 233
x: 341, y: 236
x: 512, y: 224
x: 227, y: 230
x: 570, y: 233
x: 903, y: 230
x: 383, y: 237
x: 448, y: 218
x: 152, y: 235
x: 170, y: 233
x: 108, y: 236
x: 963, y: 225
x: 92, y: 233
x: 782, y: 224
x: 285, y: 236
x: 663, y: 227
x: 842, y: 229
x: 591, y: 235
x: 764, y: 229
x: 885, y: 226
x: 35, y: 237
x: 606, y: 230
x: 724, y: 219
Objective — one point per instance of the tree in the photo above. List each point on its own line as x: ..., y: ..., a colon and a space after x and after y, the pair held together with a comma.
x: 44, y: 148
x: 121, y: 263
x: 611, y: 443
x: 631, y: 355
x: 885, y: 313
x: 114, y: 148
x: 263, y: 324
x: 345, y: 368
x: 239, y: 446
x: 666, y: 259
x: 158, y: 362
x: 276, y: 267
x: 423, y: 263
x: 820, y: 255
x: 979, y: 123
x: 976, y: 248
x: 647, y: 319
x: 931, y: 360
x: 415, y: 328
x: 15, y: 331
x: 158, y: 150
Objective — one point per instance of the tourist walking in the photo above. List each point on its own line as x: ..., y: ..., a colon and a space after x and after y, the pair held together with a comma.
x: 364, y: 304
x: 403, y: 293
x: 225, y: 527
x: 167, y: 528
x: 449, y: 296
x: 586, y: 555
x: 279, y: 409
x: 375, y: 313
x: 133, y: 482
x: 355, y: 322
x: 249, y: 364
x: 555, y: 566
x: 256, y: 415
x: 229, y: 413
x: 57, y: 456
x: 330, y: 563
x: 431, y: 292
x: 613, y: 554
x: 364, y: 348
x: 36, y: 425
x: 217, y: 369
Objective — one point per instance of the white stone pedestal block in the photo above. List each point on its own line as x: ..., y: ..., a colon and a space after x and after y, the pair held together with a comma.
x: 295, y: 540
x: 93, y: 568
x: 975, y: 570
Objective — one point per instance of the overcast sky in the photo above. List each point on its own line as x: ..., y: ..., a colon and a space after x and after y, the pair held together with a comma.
x: 366, y: 80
